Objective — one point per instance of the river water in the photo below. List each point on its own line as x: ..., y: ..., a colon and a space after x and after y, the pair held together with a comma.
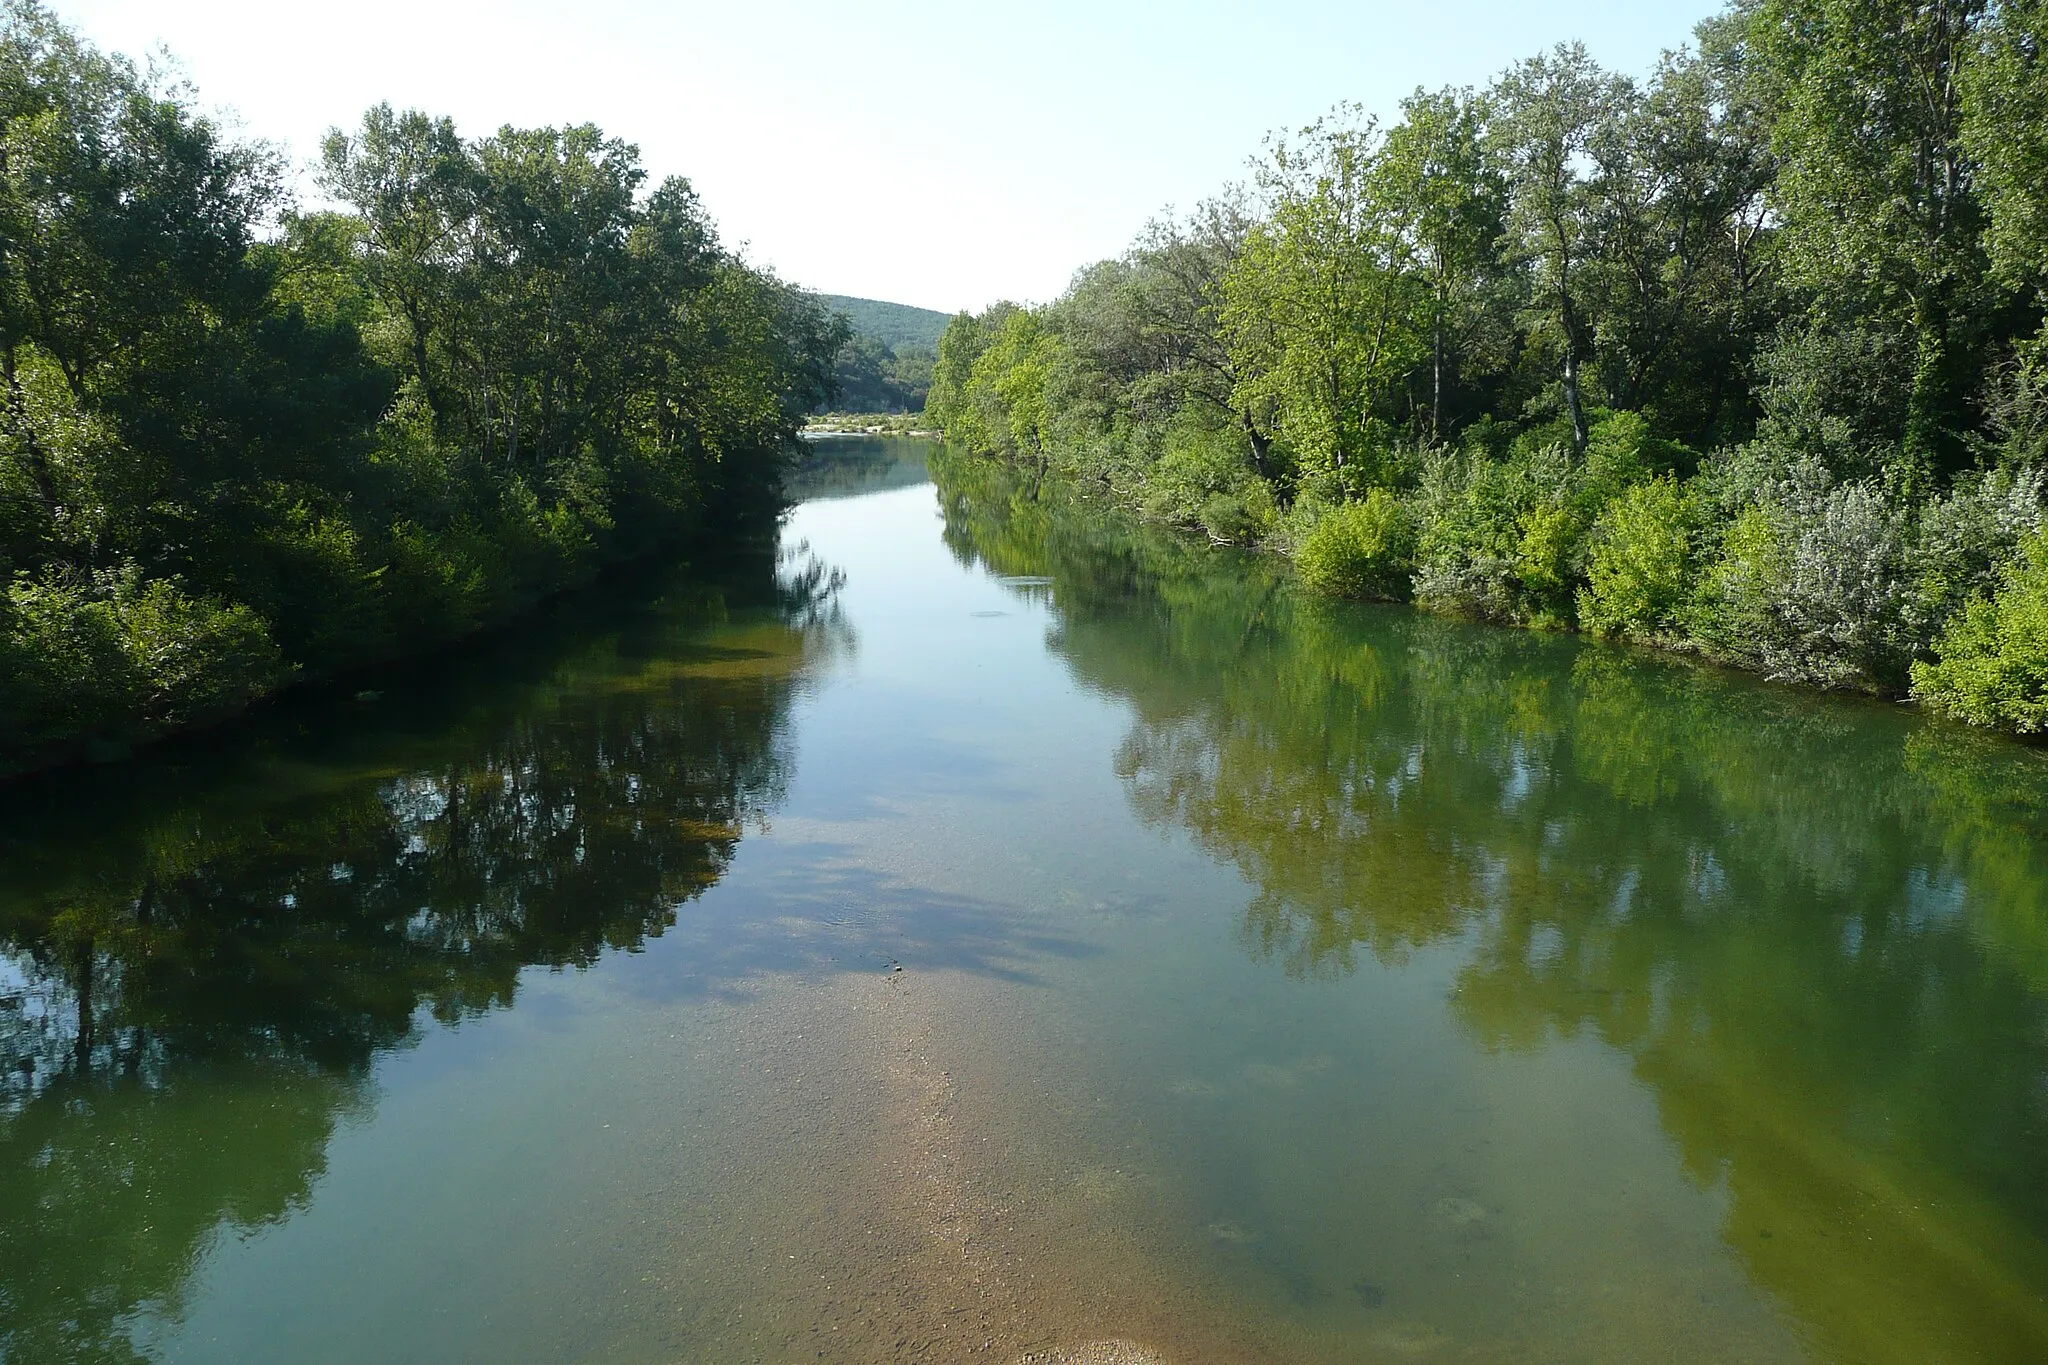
x: 984, y: 932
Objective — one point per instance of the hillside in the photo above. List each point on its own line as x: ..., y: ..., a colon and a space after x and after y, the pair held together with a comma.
x: 895, y: 325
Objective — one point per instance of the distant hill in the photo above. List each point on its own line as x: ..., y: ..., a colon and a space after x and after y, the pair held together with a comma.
x: 895, y: 325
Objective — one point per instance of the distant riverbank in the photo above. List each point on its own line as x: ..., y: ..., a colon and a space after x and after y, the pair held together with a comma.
x: 868, y: 424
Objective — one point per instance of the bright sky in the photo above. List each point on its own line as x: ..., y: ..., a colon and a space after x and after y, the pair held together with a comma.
x: 944, y: 155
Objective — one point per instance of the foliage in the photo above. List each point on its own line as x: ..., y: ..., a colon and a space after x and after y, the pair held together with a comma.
x: 1321, y: 305
x: 241, y: 444
x: 1991, y: 664
x: 1744, y: 357
x: 1641, y: 571
x: 1362, y: 549
x: 120, y: 657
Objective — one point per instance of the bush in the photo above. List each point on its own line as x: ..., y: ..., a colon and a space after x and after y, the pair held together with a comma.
x: 1204, y: 479
x: 1360, y: 549
x: 1502, y: 540
x: 1640, y: 574
x: 122, y: 658
x: 1991, y: 664
x: 199, y: 659
x: 1731, y: 611
x: 1812, y: 585
x: 1961, y: 544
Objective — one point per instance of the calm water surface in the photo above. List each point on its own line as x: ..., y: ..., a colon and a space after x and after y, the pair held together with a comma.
x: 984, y: 933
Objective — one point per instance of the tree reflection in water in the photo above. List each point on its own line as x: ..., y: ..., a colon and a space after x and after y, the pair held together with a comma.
x: 1819, y: 927
x: 205, y: 952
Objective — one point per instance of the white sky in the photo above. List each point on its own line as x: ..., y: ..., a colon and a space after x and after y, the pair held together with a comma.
x: 936, y: 154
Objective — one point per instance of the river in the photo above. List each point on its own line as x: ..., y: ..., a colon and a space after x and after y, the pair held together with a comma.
x: 984, y: 931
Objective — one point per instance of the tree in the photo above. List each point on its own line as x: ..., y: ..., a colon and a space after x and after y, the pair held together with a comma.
x: 1451, y: 203
x: 1548, y: 113
x: 1882, y: 229
x: 411, y: 184
x: 125, y: 230
x: 2005, y: 130
x: 1324, y: 306
x: 1680, y: 284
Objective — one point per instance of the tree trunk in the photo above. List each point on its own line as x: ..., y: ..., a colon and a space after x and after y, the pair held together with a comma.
x: 1262, y: 446
x: 1436, y: 381
x: 1572, y: 404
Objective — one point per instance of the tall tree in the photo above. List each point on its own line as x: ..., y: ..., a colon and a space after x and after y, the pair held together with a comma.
x: 1451, y: 202
x: 1680, y: 281
x: 1882, y: 228
x: 413, y: 187
x: 2005, y: 129
x: 1549, y: 112
x: 1323, y: 302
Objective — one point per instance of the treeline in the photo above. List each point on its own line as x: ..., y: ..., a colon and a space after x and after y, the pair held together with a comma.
x: 870, y: 375
x: 1746, y: 358
x: 242, y: 444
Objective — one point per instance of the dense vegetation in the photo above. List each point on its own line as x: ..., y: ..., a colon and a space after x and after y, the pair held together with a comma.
x: 895, y: 325
x: 242, y: 444
x: 886, y: 363
x: 1746, y: 358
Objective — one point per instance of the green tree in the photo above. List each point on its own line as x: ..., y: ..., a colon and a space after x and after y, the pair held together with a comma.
x: 411, y: 184
x: 1550, y: 110
x: 1451, y: 202
x: 1680, y: 287
x: 1875, y: 187
x: 1324, y: 305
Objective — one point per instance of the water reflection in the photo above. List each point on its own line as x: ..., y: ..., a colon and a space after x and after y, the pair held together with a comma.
x: 202, y: 954
x: 1818, y: 928
x: 854, y: 466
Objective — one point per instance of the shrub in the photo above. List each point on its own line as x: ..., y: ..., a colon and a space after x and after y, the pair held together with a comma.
x: 1622, y: 451
x: 1502, y: 540
x: 1641, y: 568
x: 1731, y: 611
x: 63, y: 669
x: 1812, y: 585
x: 1961, y: 544
x: 1205, y: 479
x: 1360, y: 549
x: 119, y: 657
x: 1991, y: 664
x: 199, y: 659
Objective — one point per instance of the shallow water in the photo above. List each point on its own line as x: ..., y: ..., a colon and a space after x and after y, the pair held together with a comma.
x: 990, y: 934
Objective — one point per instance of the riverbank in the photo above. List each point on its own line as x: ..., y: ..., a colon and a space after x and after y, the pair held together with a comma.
x: 1532, y: 356
x: 596, y: 589
x: 904, y: 424
x: 1043, y: 939
x: 278, y: 451
x: 1633, y: 580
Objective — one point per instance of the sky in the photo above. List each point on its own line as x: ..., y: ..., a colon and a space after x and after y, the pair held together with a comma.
x: 943, y: 155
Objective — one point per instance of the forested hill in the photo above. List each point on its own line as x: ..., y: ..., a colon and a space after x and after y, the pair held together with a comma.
x: 242, y: 445
x: 1743, y: 356
x: 895, y: 325
x: 886, y: 364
